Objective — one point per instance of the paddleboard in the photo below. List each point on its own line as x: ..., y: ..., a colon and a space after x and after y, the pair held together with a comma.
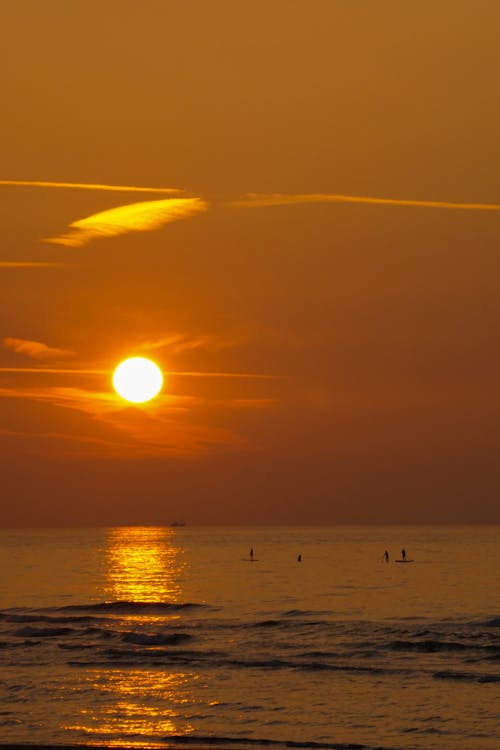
x: 404, y: 561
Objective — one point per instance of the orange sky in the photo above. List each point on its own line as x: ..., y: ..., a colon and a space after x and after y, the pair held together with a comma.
x: 201, y: 183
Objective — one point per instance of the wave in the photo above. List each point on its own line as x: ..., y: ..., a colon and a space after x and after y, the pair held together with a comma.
x: 466, y: 676
x: 288, y: 624
x: 124, y: 606
x: 158, y: 639
x: 191, y: 740
x: 309, y: 666
x: 156, y: 653
x: 153, y: 655
x: 493, y: 623
x: 305, y: 613
x: 426, y: 730
x: 18, y: 644
x: 321, y: 666
x: 218, y: 659
x: 320, y: 655
x: 429, y: 646
x: 29, y: 632
x: 36, y: 617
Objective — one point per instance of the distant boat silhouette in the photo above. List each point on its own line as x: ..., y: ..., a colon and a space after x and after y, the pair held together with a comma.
x: 177, y: 523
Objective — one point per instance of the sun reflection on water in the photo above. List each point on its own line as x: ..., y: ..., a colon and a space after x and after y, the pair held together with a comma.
x: 135, y: 706
x: 144, y: 565
x: 141, y: 705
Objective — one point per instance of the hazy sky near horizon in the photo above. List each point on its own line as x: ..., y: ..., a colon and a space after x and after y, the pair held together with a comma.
x: 294, y: 208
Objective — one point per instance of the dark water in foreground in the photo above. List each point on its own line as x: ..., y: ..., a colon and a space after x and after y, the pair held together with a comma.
x: 141, y: 636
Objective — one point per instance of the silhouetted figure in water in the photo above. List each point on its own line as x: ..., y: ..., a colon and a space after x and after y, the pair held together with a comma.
x: 251, y: 553
x: 299, y: 559
x: 403, y: 554
x: 386, y: 555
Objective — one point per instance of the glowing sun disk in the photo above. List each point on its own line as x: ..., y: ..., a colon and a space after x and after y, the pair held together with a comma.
x: 137, y: 379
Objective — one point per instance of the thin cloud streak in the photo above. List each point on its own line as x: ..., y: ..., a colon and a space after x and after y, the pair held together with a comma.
x: 247, y: 375
x: 177, y: 343
x: 96, y: 403
x: 53, y: 371
x: 144, y: 431
x: 281, y: 199
x: 31, y: 264
x: 63, y: 436
x: 36, y: 349
x: 182, y: 373
x: 89, y: 186
x: 188, y: 440
x: 145, y: 216
x: 100, y: 404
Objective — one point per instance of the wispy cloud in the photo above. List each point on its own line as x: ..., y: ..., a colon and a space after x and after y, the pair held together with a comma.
x: 36, y: 349
x: 181, y: 373
x: 167, y: 427
x: 52, y: 371
x: 237, y: 375
x: 178, y: 422
x: 62, y: 437
x: 96, y: 403
x: 282, y: 199
x: 30, y: 264
x: 134, y: 217
x: 176, y: 343
x: 89, y: 186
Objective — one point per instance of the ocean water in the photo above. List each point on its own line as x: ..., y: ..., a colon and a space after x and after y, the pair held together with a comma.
x: 165, y: 636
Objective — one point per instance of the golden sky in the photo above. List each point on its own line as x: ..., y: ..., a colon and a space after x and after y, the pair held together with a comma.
x: 293, y: 208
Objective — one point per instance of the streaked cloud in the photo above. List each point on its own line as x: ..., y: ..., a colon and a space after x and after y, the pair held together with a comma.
x: 282, y: 199
x: 89, y: 186
x: 181, y: 373
x: 36, y: 349
x: 63, y: 437
x: 164, y: 427
x: 176, y: 423
x: 238, y: 375
x: 250, y: 403
x: 91, y: 402
x: 30, y: 264
x: 176, y: 343
x: 52, y: 371
x: 145, y: 216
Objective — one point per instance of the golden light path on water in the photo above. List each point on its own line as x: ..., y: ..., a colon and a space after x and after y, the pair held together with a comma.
x: 141, y: 703
x: 143, y: 565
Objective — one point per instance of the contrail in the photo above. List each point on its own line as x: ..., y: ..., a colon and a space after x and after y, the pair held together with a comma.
x: 280, y: 199
x: 89, y: 186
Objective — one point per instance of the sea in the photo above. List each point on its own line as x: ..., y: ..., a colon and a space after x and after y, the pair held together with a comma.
x: 179, y: 636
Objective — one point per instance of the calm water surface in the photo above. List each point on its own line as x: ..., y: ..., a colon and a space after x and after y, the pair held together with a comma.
x: 148, y: 636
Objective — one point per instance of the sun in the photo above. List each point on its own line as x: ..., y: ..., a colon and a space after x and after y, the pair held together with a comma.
x: 137, y: 379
